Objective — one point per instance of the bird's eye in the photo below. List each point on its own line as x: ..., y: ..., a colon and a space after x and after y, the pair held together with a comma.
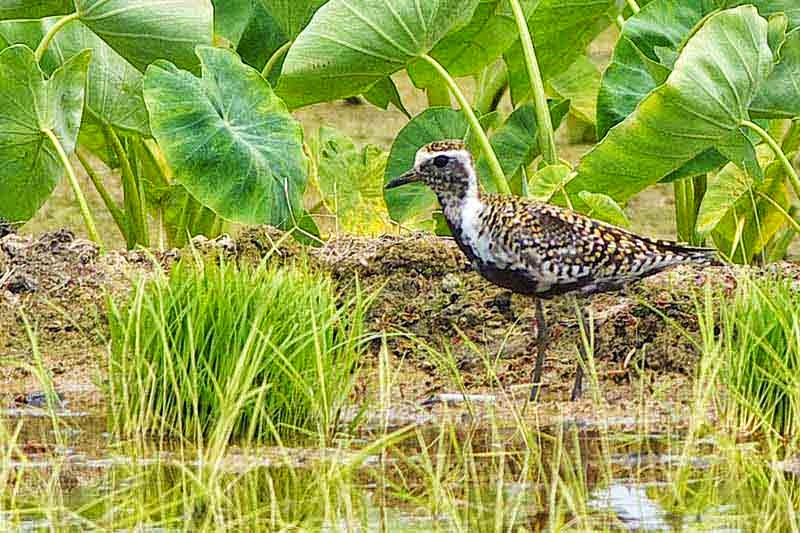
x: 441, y: 161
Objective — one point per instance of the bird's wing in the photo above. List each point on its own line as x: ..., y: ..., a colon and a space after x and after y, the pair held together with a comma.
x: 567, y: 251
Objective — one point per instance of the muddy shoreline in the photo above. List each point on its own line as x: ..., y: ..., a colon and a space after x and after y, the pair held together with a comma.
x: 426, y: 289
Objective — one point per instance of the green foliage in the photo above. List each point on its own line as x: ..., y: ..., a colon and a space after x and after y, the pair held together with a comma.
x: 350, y: 181
x: 781, y: 95
x: 254, y: 352
x: 350, y: 45
x: 143, y: 31
x: 650, y: 43
x: 702, y: 103
x: 550, y: 22
x: 113, y: 87
x: 468, y: 50
x: 516, y: 141
x: 30, y: 104
x: 19, y: 9
x: 229, y: 122
x: 694, y: 94
x: 759, y: 347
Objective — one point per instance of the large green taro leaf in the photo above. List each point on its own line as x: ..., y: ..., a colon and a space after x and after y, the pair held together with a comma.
x: 114, y: 87
x: 33, y: 9
x: 228, y: 138
x: 350, y: 45
x: 29, y: 104
x: 143, y: 31
x: 780, y: 97
x: 416, y: 201
x: 561, y: 30
x: 701, y: 105
x: 468, y: 50
x: 648, y: 42
x: 292, y: 15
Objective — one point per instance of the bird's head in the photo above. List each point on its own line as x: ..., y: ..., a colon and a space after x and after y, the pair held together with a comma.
x: 444, y: 166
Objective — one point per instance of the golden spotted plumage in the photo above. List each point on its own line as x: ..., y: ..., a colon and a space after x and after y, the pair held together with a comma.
x: 555, y: 250
x: 534, y: 248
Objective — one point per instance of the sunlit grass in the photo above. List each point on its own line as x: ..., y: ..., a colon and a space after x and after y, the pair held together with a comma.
x: 235, y: 351
x: 752, y: 341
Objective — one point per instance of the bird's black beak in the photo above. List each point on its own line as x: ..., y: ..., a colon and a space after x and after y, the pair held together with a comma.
x: 409, y: 177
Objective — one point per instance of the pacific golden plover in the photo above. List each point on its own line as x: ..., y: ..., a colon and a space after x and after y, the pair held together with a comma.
x: 537, y: 249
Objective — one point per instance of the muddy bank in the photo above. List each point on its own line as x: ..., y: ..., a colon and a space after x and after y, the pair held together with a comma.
x: 427, y: 291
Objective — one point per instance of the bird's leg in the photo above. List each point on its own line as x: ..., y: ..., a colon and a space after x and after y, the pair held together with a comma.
x: 541, y: 344
x: 583, y: 321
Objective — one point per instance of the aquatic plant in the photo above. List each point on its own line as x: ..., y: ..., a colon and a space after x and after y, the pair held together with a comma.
x: 234, y: 351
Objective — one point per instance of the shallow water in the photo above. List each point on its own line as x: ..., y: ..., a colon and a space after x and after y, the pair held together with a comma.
x: 457, y: 477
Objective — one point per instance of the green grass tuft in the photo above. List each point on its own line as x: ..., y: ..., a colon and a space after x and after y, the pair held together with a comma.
x: 759, y: 342
x: 229, y: 351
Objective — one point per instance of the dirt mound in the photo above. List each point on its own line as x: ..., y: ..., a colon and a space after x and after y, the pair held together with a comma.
x: 427, y: 293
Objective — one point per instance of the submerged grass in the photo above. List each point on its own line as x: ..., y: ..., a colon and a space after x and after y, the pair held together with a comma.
x: 233, y: 350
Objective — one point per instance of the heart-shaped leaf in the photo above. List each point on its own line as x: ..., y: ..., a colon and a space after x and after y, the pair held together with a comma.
x: 737, y: 213
x: 549, y: 181
x: 417, y: 201
x: 34, y: 9
x: 704, y: 100
x: 351, y: 44
x: 604, y: 208
x: 29, y: 104
x: 114, y: 88
x: 143, y: 31
x: 561, y: 30
x: 228, y: 139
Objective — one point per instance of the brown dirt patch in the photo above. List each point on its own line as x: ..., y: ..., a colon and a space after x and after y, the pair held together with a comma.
x: 427, y: 293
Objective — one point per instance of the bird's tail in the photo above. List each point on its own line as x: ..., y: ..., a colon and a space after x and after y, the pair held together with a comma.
x: 691, y: 254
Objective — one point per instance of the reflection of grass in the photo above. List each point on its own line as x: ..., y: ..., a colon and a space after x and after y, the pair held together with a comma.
x: 236, y: 351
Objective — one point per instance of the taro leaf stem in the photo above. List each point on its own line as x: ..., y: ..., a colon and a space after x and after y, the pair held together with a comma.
x: 547, y: 141
x: 274, y: 58
x: 45, y: 42
x: 634, y: 6
x: 498, y: 177
x: 91, y: 227
x: 773, y: 144
x: 116, y: 213
x: 134, y: 202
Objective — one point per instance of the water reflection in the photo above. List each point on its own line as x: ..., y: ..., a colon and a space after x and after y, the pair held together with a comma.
x: 450, y: 477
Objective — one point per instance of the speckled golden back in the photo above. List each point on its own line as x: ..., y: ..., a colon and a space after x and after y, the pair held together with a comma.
x: 561, y: 248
